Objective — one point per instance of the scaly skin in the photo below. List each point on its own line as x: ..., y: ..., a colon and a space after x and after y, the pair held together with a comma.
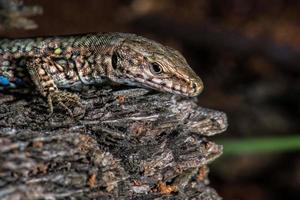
x: 72, y: 61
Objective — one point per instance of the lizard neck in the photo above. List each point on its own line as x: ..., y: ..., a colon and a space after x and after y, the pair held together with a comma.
x: 97, y: 61
x: 102, y: 67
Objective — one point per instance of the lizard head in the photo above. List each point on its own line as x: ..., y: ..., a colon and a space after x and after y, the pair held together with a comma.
x: 142, y: 62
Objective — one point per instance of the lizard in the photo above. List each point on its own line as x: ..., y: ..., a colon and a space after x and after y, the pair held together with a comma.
x: 53, y: 64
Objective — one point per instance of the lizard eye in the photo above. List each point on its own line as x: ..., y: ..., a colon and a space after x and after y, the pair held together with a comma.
x: 156, y: 68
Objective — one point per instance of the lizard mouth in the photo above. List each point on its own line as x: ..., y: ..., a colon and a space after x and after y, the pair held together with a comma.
x: 190, y: 90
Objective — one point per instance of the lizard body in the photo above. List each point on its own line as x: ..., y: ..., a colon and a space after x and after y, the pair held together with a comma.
x: 53, y: 63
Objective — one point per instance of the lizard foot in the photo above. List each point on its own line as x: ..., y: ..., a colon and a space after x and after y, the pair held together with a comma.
x: 65, y: 100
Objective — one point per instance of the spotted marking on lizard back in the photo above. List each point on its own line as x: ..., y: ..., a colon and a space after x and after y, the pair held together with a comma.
x: 94, y: 58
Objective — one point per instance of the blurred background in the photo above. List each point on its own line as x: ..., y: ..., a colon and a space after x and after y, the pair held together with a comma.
x: 248, y: 55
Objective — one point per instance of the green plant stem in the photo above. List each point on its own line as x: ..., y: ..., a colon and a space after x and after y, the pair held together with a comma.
x: 260, y: 145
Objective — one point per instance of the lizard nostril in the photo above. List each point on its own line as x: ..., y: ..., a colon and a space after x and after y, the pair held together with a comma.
x: 194, y: 85
x: 197, y: 88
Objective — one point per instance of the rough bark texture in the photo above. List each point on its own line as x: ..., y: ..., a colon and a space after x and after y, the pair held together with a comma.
x: 130, y: 144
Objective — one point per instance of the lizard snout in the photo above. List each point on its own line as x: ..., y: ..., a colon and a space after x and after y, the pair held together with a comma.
x: 196, y: 88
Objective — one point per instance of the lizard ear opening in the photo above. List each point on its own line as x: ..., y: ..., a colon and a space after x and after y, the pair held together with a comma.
x: 114, y: 60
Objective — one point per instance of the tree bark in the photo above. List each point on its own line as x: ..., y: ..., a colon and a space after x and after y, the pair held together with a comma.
x: 130, y: 144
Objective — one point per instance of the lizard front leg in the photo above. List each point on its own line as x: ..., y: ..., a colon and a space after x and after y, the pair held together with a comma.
x: 45, y: 84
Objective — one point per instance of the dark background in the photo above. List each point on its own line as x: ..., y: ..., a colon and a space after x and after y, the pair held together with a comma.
x: 246, y: 52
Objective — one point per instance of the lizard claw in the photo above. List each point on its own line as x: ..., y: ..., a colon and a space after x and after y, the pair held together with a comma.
x: 65, y: 100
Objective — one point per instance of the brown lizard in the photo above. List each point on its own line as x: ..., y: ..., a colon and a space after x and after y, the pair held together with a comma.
x: 54, y: 63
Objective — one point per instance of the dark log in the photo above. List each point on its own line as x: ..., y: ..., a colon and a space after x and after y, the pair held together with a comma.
x: 131, y: 144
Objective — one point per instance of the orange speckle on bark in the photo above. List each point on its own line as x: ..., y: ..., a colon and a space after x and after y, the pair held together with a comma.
x: 201, y: 173
x: 91, y: 182
x: 121, y: 99
x: 166, y: 189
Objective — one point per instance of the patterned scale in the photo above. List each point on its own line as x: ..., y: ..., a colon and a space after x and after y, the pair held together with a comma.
x: 13, y: 75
